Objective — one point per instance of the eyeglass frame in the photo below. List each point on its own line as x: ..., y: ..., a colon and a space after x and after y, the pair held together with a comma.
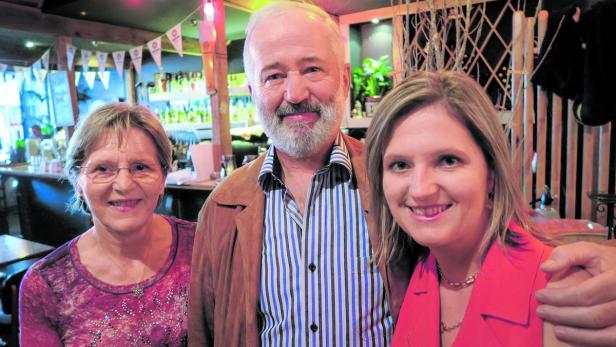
x: 117, y: 172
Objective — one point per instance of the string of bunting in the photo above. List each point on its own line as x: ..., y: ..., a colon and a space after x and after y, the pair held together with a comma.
x: 40, y: 68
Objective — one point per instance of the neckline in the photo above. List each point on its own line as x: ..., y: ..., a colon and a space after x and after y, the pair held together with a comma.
x: 125, y: 288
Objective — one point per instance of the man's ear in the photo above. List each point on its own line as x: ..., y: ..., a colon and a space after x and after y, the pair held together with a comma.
x: 346, y: 78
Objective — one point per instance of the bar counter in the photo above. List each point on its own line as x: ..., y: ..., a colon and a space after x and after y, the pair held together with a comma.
x: 42, y: 198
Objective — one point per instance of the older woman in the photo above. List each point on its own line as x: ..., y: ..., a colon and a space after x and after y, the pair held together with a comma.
x: 124, y: 282
x: 444, y: 186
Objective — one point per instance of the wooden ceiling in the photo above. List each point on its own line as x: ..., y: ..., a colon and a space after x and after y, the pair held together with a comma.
x: 109, y: 25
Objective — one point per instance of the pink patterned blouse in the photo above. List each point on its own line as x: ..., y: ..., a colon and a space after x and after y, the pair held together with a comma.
x: 62, y: 304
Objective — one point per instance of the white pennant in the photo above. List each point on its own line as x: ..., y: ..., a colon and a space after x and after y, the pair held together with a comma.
x: 20, y: 73
x: 175, y: 36
x: 154, y: 47
x: 70, y: 55
x: 85, y: 59
x: 90, y: 77
x: 45, y: 60
x: 3, y: 67
x: 42, y: 74
x: 101, y: 57
x: 104, y: 77
x: 136, y: 56
x: 118, y: 59
x: 36, y: 69
x: 77, y: 77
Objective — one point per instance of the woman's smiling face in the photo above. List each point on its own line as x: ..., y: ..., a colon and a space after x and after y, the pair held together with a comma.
x: 436, y: 180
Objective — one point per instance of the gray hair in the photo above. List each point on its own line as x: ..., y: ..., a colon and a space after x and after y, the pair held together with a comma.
x: 281, y: 8
x: 114, y: 118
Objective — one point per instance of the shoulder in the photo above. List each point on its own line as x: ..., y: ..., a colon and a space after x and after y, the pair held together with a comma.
x: 59, y: 257
x: 182, y: 226
x: 240, y: 187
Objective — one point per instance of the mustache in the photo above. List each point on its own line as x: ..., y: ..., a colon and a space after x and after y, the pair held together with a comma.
x: 287, y: 108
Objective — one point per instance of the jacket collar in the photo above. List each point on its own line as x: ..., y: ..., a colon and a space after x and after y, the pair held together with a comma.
x: 504, y: 286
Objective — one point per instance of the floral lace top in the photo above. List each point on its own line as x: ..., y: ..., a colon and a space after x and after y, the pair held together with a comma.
x: 62, y: 304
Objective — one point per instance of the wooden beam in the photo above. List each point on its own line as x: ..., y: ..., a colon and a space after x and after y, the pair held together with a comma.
x: 389, y: 12
x: 62, y: 60
x: 30, y: 19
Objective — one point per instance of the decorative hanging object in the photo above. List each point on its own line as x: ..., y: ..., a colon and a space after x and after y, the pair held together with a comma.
x: 3, y: 67
x: 118, y: 59
x: 136, y: 55
x: 36, y: 69
x: 175, y: 36
x: 77, y: 77
x: 45, y: 60
x: 85, y: 59
x: 90, y: 78
x: 104, y: 77
x: 70, y: 55
x: 207, y: 40
x: 154, y: 47
x: 101, y: 57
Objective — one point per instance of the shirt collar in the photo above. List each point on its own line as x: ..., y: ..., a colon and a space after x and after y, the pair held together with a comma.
x: 339, y: 155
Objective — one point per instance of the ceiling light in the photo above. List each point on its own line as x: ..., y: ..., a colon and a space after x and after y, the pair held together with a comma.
x: 29, y: 44
x: 83, y: 13
x: 375, y: 21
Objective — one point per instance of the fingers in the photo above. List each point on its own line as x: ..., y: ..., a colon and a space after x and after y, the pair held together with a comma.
x: 591, y: 317
x: 585, y: 337
x: 598, y: 289
x: 577, y: 254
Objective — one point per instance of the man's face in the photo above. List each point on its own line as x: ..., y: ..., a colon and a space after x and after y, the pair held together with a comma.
x: 298, y: 85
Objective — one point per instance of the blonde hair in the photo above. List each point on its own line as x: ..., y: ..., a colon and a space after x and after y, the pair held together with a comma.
x: 281, y: 8
x: 114, y: 118
x: 467, y: 101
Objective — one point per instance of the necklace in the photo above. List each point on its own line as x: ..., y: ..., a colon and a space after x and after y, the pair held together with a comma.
x: 469, y: 281
x: 138, y: 289
x: 447, y: 328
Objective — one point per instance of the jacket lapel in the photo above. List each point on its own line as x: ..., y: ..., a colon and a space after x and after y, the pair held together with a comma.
x: 396, y: 276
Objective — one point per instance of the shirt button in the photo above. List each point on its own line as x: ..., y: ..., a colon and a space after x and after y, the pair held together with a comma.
x: 312, y: 267
x: 314, y: 327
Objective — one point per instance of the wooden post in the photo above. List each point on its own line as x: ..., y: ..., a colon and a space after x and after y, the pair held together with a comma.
x: 129, y: 80
x: 572, y: 145
x: 589, y: 171
x: 529, y: 111
x: 61, y: 43
x: 219, y: 101
x: 221, y: 128
x: 542, y: 113
x: 517, y: 58
x: 556, y: 135
x: 397, y: 49
x: 603, y: 169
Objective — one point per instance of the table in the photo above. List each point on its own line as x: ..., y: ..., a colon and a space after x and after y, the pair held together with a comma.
x: 14, y: 249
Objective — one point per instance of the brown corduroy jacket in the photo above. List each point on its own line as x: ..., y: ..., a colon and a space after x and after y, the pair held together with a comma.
x: 224, y: 285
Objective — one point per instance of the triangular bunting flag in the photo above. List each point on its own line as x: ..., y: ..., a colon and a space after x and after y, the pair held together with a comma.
x: 154, y: 47
x: 175, y: 36
x: 77, y: 77
x: 36, y: 69
x: 136, y: 56
x: 85, y: 59
x: 3, y: 67
x: 101, y: 57
x: 90, y: 77
x: 20, y: 73
x: 104, y: 77
x: 45, y: 60
x: 70, y: 55
x: 118, y: 59
x: 42, y: 74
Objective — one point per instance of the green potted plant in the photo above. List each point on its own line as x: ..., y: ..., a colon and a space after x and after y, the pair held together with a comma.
x: 371, y: 81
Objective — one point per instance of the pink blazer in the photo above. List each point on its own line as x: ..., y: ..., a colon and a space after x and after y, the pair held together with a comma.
x: 501, y: 310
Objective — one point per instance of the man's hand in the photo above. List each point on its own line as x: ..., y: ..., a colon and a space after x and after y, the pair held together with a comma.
x: 583, y: 314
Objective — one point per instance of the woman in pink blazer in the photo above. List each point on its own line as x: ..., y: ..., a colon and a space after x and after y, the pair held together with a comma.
x: 445, y: 187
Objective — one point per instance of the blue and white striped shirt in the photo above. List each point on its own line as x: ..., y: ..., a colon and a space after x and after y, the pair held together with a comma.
x: 318, y: 286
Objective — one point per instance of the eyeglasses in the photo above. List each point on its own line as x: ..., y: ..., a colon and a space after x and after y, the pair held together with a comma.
x: 105, y: 173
